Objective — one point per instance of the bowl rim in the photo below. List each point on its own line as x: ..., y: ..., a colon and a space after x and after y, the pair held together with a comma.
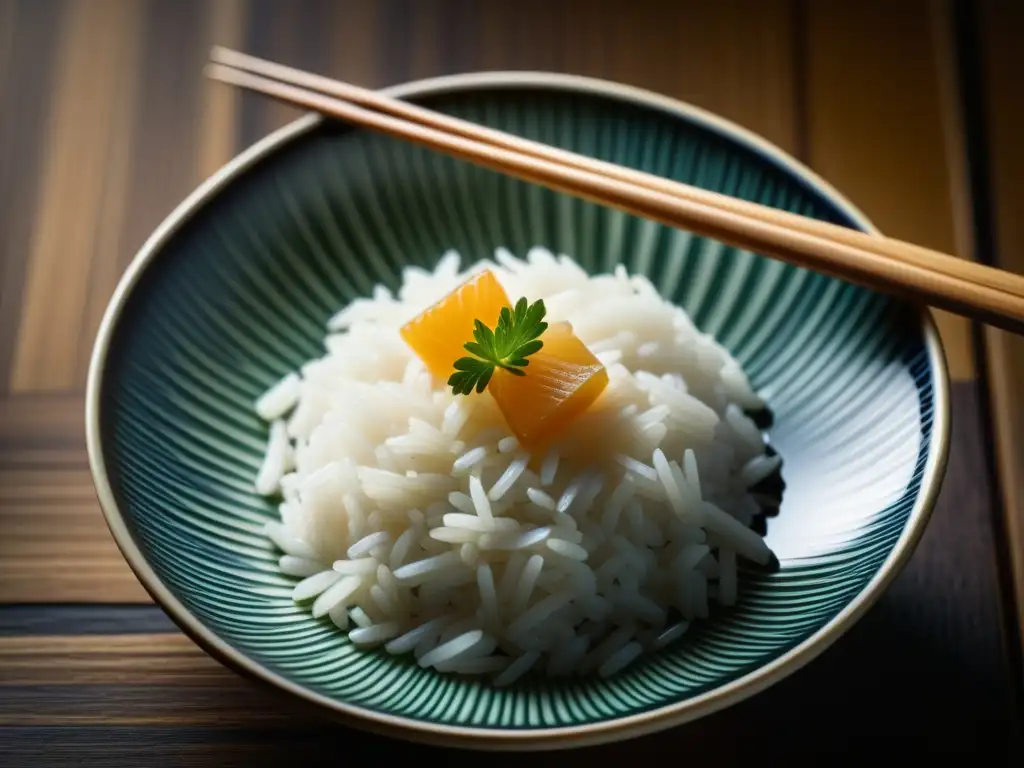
x: 562, y: 737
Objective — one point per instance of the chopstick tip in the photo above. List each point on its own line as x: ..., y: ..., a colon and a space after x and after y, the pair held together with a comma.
x: 214, y: 71
x: 221, y: 54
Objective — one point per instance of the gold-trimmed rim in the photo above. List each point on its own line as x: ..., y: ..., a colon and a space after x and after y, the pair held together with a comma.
x: 495, y: 738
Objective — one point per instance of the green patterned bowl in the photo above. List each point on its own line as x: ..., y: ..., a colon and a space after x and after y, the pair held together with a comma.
x: 234, y: 289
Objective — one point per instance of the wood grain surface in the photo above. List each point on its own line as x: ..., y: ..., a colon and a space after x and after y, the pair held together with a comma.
x: 106, y: 124
x: 1000, y: 118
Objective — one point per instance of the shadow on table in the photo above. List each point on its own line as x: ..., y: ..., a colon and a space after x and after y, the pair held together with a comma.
x: 886, y: 688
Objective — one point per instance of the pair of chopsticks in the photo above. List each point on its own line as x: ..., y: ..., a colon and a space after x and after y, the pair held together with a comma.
x: 974, y: 290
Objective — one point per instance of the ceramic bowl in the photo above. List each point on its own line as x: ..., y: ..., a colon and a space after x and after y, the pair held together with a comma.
x: 234, y: 289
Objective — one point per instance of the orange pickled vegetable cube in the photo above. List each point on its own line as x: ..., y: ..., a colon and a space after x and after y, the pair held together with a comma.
x: 562, y: 380
x: 437, y: 335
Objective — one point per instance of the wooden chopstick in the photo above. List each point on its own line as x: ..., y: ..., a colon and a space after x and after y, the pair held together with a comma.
x: 1004, y: 281
x: 884, y: 264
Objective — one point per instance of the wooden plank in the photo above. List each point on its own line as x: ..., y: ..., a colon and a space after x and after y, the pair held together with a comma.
x: 218, y: 127
x: 319, y: 747
x: 164, y: 746
x: 33, y: 619
x: 155, y: 659
x: 134, y: 679
x: 58, y: 549
x: 82, y: 195
x: 174, y: 110
x: 28, y: 63
x: 1001, y: 27
x: 354, y: 34
x: 56, y: 546
x: 738, y: 59
x: 297, y: 33
x: 735, y: 58
x: 157, y: 129
x: 875, y: 115
x: 43, y: 420
x: 8, y: 10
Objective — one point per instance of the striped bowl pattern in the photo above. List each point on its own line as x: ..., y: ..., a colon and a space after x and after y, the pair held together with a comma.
x: 248, y: 274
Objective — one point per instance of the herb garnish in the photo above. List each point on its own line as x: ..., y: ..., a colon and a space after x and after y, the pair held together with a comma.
x: 513, y: 340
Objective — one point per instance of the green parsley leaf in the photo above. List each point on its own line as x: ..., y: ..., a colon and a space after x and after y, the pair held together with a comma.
x: 515, y: 337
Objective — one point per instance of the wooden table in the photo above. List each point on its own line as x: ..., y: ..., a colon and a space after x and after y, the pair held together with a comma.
x: 911, y: 108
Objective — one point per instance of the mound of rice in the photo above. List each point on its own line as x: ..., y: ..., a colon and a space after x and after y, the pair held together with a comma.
x: 416, y: 522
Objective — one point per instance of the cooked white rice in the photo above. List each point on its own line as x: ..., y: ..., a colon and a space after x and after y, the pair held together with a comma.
x: 416, y: 522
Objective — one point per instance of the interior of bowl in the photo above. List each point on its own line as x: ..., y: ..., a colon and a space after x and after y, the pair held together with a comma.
x: 239, y: 294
